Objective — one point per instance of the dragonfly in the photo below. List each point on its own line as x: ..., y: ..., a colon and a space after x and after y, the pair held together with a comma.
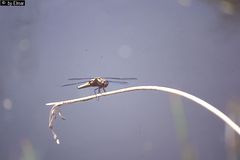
x: 99, y: 82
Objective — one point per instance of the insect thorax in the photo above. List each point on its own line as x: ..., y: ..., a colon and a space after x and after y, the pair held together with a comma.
x: 102, y: 82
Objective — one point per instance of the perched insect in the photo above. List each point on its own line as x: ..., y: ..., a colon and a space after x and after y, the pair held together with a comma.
x: 99, y: 82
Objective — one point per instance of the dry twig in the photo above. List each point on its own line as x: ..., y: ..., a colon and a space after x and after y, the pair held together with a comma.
x: 56, y: 105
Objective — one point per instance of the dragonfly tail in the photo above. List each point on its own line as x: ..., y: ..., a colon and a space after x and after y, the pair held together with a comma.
x: 85, y: 85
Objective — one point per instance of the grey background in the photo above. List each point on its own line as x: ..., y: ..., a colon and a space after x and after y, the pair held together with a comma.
x: 191, y: 46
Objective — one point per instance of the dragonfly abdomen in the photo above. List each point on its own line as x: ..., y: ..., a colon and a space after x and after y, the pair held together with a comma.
x: 85, y: 85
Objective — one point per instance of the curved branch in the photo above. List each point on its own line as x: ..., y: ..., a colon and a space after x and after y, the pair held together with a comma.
x: 56, y: 105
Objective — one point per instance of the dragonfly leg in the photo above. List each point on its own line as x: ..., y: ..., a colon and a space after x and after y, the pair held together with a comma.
x: 96, y: 93
x: 104, y: 89
x: 99, y: 90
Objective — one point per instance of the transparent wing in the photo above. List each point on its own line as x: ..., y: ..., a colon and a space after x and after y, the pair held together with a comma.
x: 70, y: 84
x: 120, y: 82
x: 80, y: 78
x: 116, y: 78
x: 120, y: 78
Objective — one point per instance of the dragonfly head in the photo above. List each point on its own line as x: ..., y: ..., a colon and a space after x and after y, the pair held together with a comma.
x: 105, y: 83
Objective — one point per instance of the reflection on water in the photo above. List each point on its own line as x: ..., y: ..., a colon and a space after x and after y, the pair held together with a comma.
x: 232, y: 140
x: 7, y: 104
x: 177, y: 108
x: 28, y: 152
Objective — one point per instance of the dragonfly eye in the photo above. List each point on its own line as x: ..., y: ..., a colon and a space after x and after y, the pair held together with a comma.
x: 106, y: 83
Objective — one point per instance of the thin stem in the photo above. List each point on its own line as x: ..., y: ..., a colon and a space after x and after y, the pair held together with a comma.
x: 56, y: 105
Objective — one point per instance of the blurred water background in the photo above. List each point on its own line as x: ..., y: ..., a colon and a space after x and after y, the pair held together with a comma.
x: 191, y: 45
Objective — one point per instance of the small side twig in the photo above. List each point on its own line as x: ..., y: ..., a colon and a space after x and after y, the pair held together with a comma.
x: 55, y: 110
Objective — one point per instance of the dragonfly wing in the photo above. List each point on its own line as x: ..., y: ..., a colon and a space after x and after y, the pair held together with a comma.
x: 116, y: 78
x: 120, y: 78
x: 120, y: 82
x: 70, y: 84
x: 79, y: 78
